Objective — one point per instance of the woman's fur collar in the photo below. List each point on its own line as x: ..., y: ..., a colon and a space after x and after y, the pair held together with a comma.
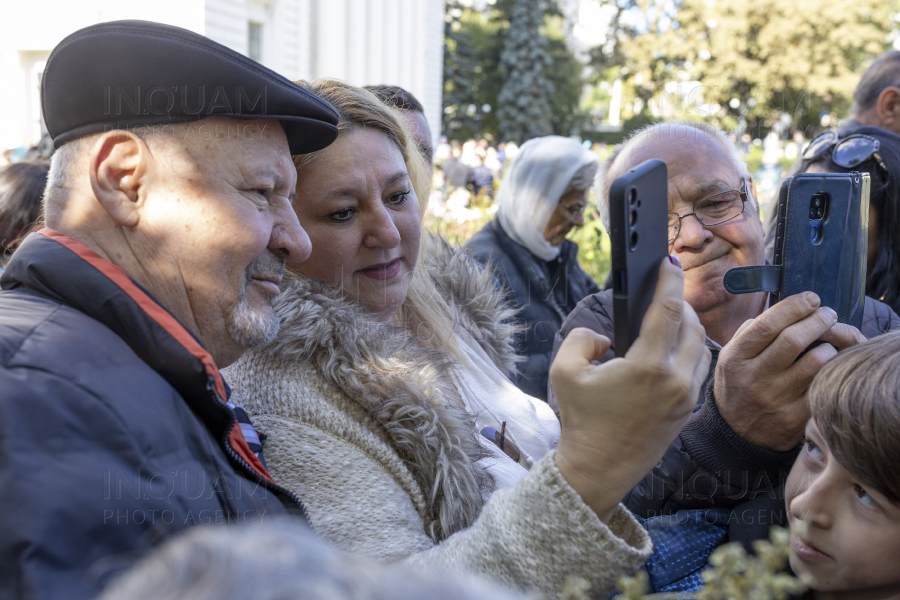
x: 479, y: 307
x: 394, y: 379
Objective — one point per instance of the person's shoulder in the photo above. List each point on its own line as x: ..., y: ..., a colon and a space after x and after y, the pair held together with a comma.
x: 46, y: 343
x: 593, y: 312
x: 878, y: 318
x: 35, y: 327
x: 485, y: 234
x: 485, y: 245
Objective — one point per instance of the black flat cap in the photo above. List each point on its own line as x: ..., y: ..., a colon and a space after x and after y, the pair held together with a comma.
x: 126, y: 74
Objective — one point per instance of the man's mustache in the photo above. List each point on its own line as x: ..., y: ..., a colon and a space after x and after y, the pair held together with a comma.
x: 267, y: 266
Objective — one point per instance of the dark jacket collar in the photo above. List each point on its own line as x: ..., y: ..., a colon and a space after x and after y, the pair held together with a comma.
x: 56, y: 266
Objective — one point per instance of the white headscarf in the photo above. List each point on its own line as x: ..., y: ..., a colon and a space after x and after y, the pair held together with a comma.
x: 532, y: 186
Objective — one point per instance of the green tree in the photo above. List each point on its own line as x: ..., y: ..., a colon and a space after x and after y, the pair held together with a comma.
x: 525, y: 99
x: 472, y: 77
x: 757, y: 61
x: 566, y: 76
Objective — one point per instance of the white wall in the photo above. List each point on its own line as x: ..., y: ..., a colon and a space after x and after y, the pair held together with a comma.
x: 30, y: 29
x: 363, y: 42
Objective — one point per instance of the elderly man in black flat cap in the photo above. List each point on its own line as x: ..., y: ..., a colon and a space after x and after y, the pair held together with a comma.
x: 168, y: 223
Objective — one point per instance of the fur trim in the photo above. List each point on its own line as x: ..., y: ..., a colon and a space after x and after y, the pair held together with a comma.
x: 395, y: 380
x: 479, y: 307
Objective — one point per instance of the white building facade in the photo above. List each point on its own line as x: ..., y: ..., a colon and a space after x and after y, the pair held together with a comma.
x: 363, y: 42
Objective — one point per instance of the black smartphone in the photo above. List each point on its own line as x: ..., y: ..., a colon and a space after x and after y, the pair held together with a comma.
x: 638, y: 211
x: 821, y: 240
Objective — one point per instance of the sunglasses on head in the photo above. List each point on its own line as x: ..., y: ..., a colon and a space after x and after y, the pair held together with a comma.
x: 848, y: 152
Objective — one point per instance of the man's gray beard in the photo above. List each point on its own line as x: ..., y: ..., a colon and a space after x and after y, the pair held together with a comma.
x: 252, y: 327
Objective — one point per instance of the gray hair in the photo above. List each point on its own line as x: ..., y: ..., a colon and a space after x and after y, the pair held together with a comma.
x: 681, y: 130
x: 583, y: 178
x: 278, y: 559
x: 881, y: 74
x: 63, y: 161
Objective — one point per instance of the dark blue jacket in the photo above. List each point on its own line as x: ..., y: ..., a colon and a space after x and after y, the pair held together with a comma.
x: 544, y: 291
x: 113, y: 429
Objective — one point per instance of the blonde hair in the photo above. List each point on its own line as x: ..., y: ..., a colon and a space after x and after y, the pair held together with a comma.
x: 425, y: 312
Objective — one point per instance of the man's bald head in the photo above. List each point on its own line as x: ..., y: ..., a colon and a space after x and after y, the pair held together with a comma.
x: 687, y: 138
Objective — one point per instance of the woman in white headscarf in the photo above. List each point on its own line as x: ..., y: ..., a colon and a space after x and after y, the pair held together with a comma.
x: 542, y: 197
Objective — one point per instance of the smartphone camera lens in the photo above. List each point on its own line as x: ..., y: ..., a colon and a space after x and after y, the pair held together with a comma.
x: 632, y: 219
x: 632, y: 196
x: 634, y: 240
x: 817, y: 207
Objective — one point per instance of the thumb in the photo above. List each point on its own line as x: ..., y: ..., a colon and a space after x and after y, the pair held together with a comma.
x: 578, y: 350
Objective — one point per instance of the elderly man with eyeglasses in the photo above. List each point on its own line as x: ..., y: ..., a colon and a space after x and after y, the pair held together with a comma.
x: 744, y: 436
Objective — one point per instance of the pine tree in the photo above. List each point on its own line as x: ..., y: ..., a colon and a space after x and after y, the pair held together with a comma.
x: 525, y: 107
x: 460, y: 74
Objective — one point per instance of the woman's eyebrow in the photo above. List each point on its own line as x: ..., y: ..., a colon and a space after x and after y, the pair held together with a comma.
x: 404, y: 174
x: 354, y: 190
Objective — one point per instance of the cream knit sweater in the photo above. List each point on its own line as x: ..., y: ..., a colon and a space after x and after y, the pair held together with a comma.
x: 358, y: 429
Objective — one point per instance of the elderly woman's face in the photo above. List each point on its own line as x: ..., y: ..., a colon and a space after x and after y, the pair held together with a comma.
x: 569, y: 213
x: 357, y: 203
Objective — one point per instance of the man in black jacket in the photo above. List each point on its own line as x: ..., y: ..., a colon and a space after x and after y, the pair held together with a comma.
x: 741, y: 442
x: 165, y: 243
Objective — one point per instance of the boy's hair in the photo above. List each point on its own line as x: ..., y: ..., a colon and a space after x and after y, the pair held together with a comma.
x: 855, y: 402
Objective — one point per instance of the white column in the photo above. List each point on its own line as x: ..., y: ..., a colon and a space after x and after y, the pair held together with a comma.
x: 331, y: 39
x: 408, y: 26
x: 357, y: 41
x: 393, y: 40
x: 305, y: 40
x: 416, y: 77
x: 377, y: 40
x: 434, y: 65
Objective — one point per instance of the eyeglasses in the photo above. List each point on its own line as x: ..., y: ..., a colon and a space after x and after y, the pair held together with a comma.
x: 713, y: 210
x: 848, y: 153
x: 574, y: 210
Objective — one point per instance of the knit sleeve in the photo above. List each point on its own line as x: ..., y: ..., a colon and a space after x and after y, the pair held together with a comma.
x: 535, y: 536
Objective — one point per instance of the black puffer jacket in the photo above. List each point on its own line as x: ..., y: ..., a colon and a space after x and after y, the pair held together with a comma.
x: 543, y: 291
x: 113, y: 430
x: 708, y: 465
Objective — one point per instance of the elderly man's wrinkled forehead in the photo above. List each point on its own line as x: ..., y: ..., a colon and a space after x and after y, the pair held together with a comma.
x: 223, y: 143
x: 697, y: 162
x: 213, y: 132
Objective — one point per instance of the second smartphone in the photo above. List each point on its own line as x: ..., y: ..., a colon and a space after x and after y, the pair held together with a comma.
x: 638, y: 211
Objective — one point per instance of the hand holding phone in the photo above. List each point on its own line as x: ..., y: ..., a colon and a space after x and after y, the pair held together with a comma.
x: 821, y: 245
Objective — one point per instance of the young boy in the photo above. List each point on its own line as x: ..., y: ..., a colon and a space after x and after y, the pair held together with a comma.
x: 845, y: 484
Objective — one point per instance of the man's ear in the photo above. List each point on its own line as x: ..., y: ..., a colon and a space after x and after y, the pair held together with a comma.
x: 752, y: 186
x: 118, y: 166
x: 888, y: 108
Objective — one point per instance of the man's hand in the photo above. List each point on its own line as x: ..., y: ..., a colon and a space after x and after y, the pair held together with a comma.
x: 618, y: 418
x: 760, y: 391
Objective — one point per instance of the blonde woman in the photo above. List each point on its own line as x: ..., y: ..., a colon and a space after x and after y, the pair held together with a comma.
x: 390, y: 363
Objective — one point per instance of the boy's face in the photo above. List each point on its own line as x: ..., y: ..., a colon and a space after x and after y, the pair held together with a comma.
x: 852, y: 542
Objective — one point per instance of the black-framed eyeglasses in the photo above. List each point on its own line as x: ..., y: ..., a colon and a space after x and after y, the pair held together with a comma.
x: 713, y: 210
x: 848, y: 153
